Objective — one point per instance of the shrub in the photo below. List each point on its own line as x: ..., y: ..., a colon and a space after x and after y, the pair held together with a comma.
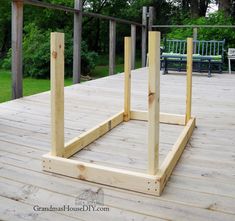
x: 36, y: 54
x: 217, y: 18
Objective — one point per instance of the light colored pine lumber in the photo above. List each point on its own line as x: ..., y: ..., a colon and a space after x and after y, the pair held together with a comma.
x: 175, y: 119
x: 189, y: 78
x: 57, y: 94
x: 91, y: 135
x: 153, y: 101
x: 173, y: 156
x: 120, y: 178
x: 127, y: 80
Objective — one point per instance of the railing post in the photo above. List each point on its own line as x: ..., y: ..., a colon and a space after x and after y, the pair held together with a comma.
x: 153, y: 101
x: 112, y: 47
x: 144, y: 35
x: 189, y: 78
x: 57, y: 94
x: 17, y: 54
x: 77, y: 38
x: 194, y: 39
x: 151, y: 18
x: 133, y: 42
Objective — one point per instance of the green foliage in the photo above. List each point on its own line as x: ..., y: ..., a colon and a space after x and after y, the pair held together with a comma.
x: 36, y: 54
x: 217, y: 18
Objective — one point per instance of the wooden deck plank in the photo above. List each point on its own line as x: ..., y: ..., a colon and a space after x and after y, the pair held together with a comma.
x: 202, y: 185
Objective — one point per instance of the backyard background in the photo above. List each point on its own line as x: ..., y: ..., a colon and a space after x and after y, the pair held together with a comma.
x: 38, y: 23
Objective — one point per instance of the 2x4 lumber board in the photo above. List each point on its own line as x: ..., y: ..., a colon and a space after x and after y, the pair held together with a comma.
x: 127, y: 80
x: 91, y: 135
x: 153, y: 101
x: 165, y: 118
x: 120, y: 178
x: 57, y: 93
x: 173, y: 156
x: 189, y: 78
x: 17, y: 63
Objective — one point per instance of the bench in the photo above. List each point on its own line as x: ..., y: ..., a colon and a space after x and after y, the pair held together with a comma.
x: 206, y: 54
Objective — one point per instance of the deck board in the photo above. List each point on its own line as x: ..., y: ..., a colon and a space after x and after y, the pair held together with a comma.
x: 202, y: 186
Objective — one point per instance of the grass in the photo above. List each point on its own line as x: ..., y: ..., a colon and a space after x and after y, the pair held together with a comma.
x: 30, y: 86
x: 33, y: 86
x: 103, y: 70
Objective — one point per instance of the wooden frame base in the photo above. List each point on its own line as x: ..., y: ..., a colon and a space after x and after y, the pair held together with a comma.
x: 156, y: 176
x: 140, y: 182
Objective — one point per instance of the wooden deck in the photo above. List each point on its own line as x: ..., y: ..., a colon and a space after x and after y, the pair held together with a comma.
x: 202, y: 186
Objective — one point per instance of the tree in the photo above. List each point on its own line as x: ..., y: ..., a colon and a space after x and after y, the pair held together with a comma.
x: 226, y: 6
x: 5, y: 27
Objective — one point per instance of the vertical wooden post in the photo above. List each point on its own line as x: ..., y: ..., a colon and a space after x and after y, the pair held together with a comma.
x: 151, y: 18
x: 189, y: 78
x: 57, y: 93
x: 153, y: 102
x: 144, y: 36
x: 127, y: 73
x: 133, y: 40
x: 194, y: 38
x: 77, y: 39
x: 17, y: 61
x: 112, y: 47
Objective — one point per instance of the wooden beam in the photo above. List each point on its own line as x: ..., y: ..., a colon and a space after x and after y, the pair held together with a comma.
x: 91, y: 135
x: 175, y: 153
x: 127, y: 80
x: 144, y: 36
x: 133, y: 41
x: 151, y: 18
x: 153, y: 101
x: 165, y: 118
x: 195, y: 39
x: 50, y: 6
x: 189, y: 78
x: 57, y: 93
x: 17, y: 61
x: 120, y: 178
x: 77, y: 39
x: 112, y: 47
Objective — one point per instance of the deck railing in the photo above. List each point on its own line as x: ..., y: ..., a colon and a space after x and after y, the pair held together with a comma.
x: 17, y: 33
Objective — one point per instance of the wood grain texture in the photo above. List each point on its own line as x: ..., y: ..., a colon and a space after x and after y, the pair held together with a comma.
x: 199, y: 188
x: 17, y: 55
x: 189, y: 78
x: 153, y: 102
x: 57, y: 94
x: 127, y: 81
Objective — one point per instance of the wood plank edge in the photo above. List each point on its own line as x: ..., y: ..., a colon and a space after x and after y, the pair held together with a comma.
x: 174, y: 155
x: 166, y: 118
x: 123, y: 179
x: 86, y: 138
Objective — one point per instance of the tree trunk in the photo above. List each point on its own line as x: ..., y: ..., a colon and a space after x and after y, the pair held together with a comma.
x: 203, y: 5
x: 225, y: 5
x: 194, y: 9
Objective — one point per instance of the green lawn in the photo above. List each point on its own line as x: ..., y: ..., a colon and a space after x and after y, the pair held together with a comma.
x: 30, y: 86
x: 33, y: 86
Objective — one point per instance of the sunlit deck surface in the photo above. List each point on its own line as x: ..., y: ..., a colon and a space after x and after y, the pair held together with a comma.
x: 202, y: 186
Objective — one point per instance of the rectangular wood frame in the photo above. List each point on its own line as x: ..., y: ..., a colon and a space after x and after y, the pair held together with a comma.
x: 152, y: 182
